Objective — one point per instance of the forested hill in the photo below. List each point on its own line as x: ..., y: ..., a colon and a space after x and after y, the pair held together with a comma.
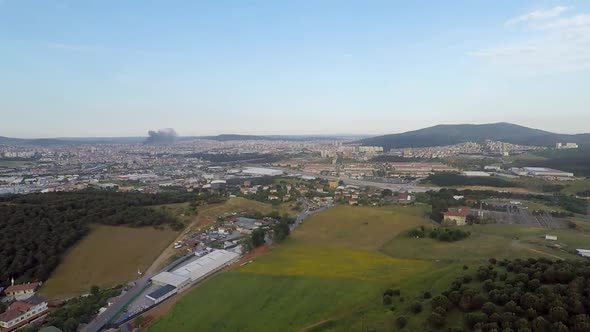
x: 36, y: 229
x: 453, y: 134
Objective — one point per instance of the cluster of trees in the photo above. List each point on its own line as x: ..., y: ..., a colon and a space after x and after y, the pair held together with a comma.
x: 81, y: 309
x: 441, y: 234
x: 537, y: 295
x: 442, y: 200
x: 447, y: 179
x: 36, y: 229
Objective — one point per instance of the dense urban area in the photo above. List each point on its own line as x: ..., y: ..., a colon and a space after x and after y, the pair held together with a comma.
x: 216, y: 204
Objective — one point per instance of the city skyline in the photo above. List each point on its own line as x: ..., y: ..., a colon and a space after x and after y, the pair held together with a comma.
x: 112, y: 69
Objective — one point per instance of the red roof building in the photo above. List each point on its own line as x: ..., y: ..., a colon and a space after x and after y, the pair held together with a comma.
x: 22, y: 289
x: 21, y: 313
x: 458, y: 215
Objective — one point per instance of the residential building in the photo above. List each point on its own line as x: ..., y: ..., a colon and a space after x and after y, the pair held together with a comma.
x: 22, y: 290
x: 458, y: 215
x: 21, y: 313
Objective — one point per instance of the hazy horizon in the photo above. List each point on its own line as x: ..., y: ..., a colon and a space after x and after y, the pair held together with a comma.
x: 119, y: 69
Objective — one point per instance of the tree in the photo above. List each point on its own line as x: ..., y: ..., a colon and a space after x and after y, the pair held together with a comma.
x: 436, y: 320
x: 94, y: 290
x: 416, y: 307
x: 387, y: 300
x: 539, y: 324
x: 440, y: 301
x: 280, y: 231
x: 401, y: 321
x: 70, y: 325
x: 138, y: 321
x: 558, y: 314
x: 258, y: 237
x: 489, y: 308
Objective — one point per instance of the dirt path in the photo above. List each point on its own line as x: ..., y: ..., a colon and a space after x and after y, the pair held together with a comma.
x: 309, y: 327
x: 543, y: 253
x: 170, y: 251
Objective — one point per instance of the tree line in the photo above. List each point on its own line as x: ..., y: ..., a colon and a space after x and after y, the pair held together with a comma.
x: 537, y: 295
x: 37, y: 229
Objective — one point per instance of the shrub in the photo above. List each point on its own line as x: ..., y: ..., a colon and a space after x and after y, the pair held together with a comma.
x: 401, y: 321
x: 416, y: 307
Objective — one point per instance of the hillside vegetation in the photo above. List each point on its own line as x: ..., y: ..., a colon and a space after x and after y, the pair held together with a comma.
x: 441, y: 135
x: 37, y: 229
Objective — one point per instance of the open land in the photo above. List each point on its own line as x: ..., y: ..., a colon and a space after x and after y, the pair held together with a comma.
x: 329, y: 275
x: 108, y: 256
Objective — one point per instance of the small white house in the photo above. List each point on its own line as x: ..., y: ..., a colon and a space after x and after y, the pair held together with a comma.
x: 551, y: 237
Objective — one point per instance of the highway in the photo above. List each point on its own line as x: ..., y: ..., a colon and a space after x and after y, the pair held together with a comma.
x: 403, y: 187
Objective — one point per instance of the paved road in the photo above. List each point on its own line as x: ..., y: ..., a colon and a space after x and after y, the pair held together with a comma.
x: 405, y: 187
x: 307, y: 211
x: 100, y: 321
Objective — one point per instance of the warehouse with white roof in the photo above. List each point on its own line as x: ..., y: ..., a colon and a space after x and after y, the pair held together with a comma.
x: 206, y: 265
x: 181, y: 278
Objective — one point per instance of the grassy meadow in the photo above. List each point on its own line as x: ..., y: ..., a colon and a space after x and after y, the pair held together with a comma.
x: 330, y: 273
x: 108, y: 256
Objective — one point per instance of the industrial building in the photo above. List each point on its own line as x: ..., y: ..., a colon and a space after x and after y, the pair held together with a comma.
x: 206, y: 265
x: 172, y: 282
x: 261, y: 171
x: 162, y: 293
x: 561, y: 146
x: 547, y: 173
x: 171, y: 279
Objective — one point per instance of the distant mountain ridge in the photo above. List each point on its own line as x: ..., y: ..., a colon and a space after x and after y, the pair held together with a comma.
x: 442, y: 135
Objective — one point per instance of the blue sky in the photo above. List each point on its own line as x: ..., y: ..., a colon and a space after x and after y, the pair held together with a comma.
x: 120, y: 68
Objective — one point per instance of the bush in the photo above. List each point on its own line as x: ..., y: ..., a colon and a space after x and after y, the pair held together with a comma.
x: 416, y: 307
x: 436, y: 320
x: 401, y: 321
x: 427, y: 295
x: 387, y: 300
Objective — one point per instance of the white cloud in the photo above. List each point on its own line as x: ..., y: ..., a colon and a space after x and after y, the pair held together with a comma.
x: 537, y: 15
x: 561, y: 43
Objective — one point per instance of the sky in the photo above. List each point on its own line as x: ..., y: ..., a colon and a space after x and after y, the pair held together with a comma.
x: 95, y: 68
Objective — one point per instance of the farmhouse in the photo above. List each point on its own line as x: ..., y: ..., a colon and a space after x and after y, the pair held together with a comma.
x: 22, y: 312
x: 22, y: 290
x: 458, y: 215
x: 401, y: 198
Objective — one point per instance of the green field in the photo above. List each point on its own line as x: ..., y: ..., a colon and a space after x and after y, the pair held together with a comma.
x: 322, y: 271
x: 13, y: 163
x: 108, y: 256
x: 330, y: 274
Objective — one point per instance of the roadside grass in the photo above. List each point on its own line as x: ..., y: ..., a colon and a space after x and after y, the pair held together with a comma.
x: 108, y: 256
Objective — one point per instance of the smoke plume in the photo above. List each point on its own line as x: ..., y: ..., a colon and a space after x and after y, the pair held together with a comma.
x: 162, y: 136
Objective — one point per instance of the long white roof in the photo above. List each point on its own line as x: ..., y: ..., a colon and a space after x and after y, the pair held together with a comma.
x: 206, y: 264
x: 169, y: 279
